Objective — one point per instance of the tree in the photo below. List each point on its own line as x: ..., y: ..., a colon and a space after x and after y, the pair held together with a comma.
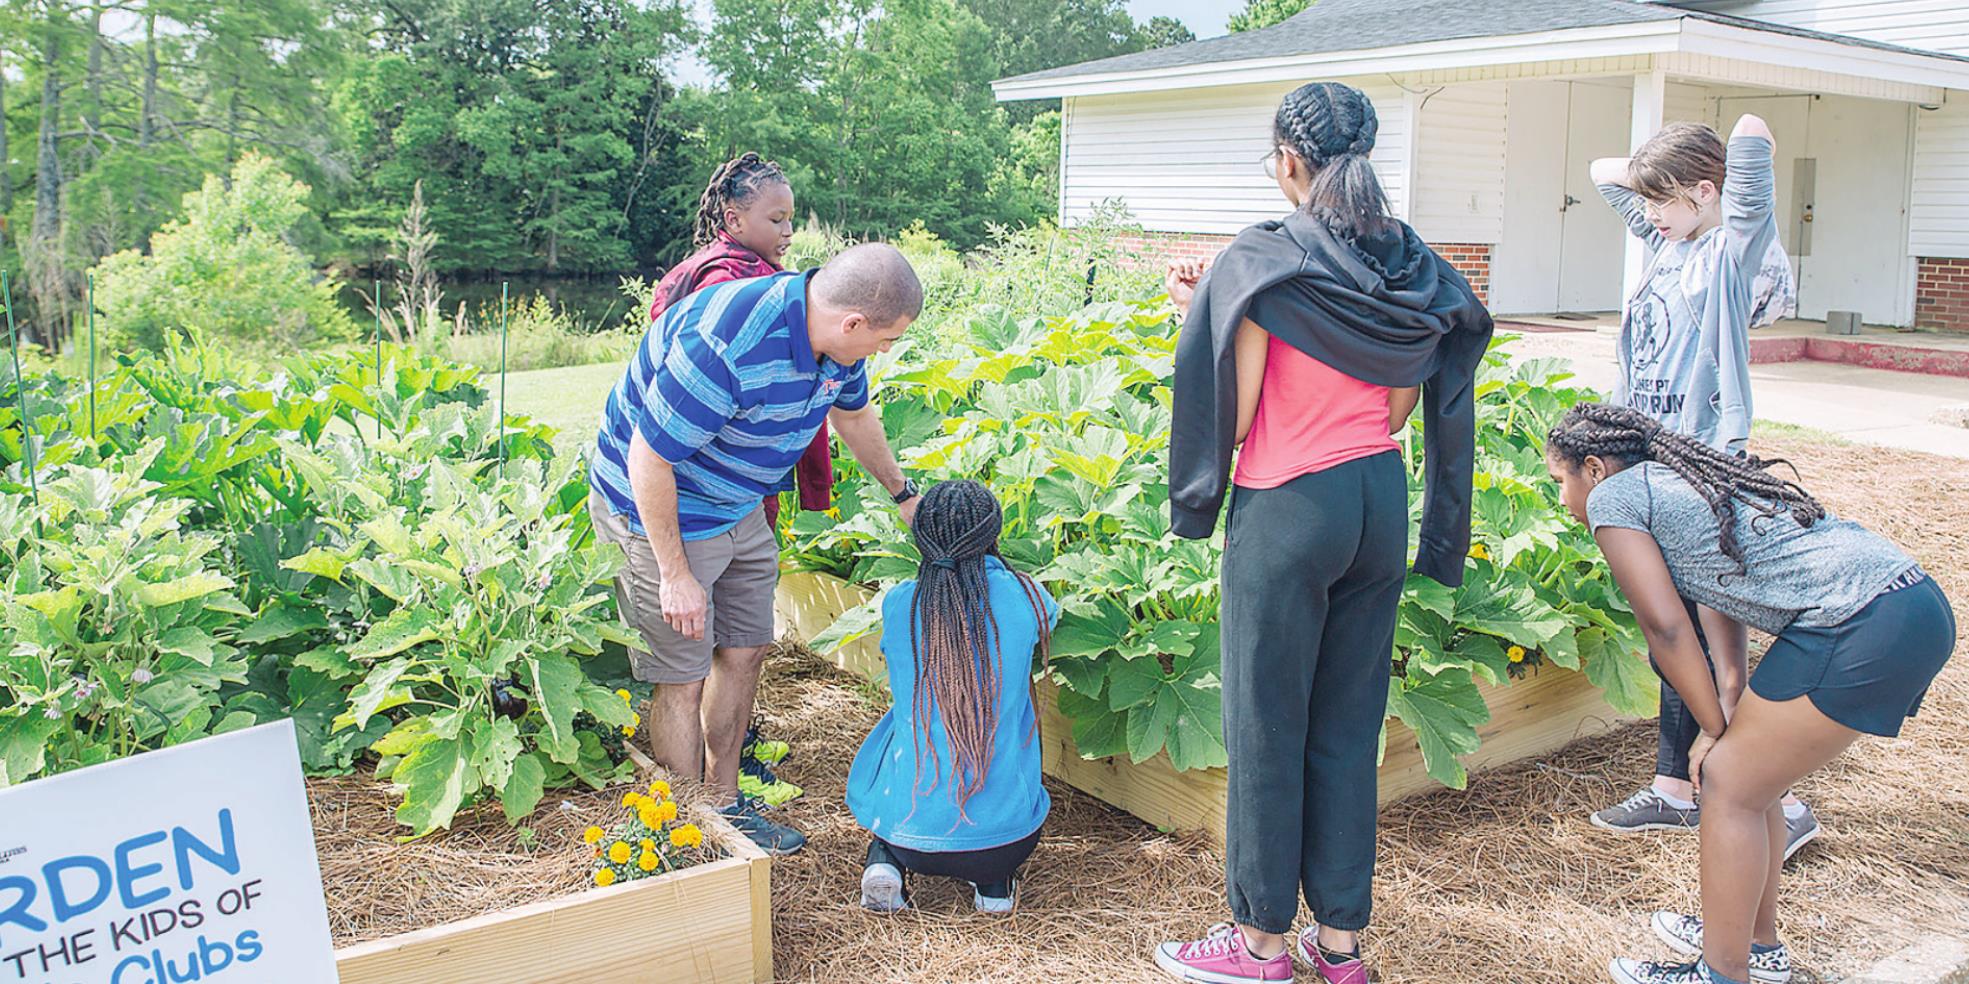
x: 226, y: 268
x: 1164, y: 32
x: 1265, y: 13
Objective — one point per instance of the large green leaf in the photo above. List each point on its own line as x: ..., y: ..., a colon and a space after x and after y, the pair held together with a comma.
x: 855, y: 623
x: 196, y: 585
x: 557, y: 683
x: 1630, y: 684
x: 404, y: 628
x: 281, y: 621
x: 1097, y: 731
x: 1193, y: 715
x: 1443, y: 711
x: 435, y: 778
x: 190, y: 642
x: 378, y: 691
x: 523, y: 789
x: 24, y: 744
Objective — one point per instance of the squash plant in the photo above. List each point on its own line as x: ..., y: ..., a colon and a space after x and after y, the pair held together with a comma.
x: 1067, y: 418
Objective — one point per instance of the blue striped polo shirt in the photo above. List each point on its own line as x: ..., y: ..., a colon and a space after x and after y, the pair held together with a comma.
x: 727, y: 389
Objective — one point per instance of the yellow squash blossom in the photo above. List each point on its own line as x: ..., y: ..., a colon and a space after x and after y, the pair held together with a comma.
x: 1477, y: 550
x: 619, y: 852
x: 1517, y: 654
x: 628, y: 731
x: 605, y: 877
x: 625, y: 695
x: 591, y: 835
x: 647, y: 862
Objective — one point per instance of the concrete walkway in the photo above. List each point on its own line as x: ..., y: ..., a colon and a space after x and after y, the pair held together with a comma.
x: 1907, y: 410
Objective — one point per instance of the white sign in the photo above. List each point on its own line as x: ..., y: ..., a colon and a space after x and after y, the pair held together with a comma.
x: 192, y: 863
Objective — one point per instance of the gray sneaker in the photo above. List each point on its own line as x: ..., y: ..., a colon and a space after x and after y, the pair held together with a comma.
x: 1629, y: 971
x: 1646, y: 810
x: 1684, y: 935
x: 775, y: 839
x: 1800, y: 831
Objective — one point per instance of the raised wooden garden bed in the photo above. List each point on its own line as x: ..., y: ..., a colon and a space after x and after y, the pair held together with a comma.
x: 1532, y: 716
x: 711, y: 922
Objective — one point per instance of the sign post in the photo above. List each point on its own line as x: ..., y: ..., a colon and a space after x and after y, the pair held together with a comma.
x: 194, y: 862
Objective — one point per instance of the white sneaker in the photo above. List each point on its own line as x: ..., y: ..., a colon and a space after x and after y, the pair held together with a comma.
x: 881, y: 888
x: 1683, y: 934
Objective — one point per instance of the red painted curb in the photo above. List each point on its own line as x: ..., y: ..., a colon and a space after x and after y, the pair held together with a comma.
x: 1858, y: 352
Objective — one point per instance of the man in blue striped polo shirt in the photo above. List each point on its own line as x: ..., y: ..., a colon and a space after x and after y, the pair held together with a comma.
x: 725, y: 393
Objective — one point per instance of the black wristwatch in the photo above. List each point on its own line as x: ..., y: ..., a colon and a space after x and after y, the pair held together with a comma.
x: 908, y: 491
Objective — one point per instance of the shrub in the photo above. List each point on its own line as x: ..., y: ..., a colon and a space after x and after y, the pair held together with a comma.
x: 225, y: 269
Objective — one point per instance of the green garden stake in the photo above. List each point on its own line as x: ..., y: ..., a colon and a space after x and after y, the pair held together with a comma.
x: 376, y: 304
x: 20, y: 391
x: 502, y: 379
x: 92, y: 357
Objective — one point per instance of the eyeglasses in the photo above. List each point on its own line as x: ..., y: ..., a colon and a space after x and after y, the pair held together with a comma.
x: 1270, y: 162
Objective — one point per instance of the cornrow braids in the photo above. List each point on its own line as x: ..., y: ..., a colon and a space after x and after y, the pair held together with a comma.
x: 954, y: 633
x: 733, y: 184
x: 1723, y: 480
x: 1332, y: 127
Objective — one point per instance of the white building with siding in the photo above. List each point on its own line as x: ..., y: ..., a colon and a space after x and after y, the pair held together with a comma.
x: 1491, y: 109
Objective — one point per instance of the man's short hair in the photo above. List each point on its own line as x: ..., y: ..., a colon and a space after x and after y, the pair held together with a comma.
x: 874, y: 280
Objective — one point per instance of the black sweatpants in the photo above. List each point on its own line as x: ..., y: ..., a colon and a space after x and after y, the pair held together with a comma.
x: 990, y: 866
x: 1312, y: 576
x: 1678, y: 724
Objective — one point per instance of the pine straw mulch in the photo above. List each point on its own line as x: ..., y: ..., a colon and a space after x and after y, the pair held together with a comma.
x: 1503, y: 883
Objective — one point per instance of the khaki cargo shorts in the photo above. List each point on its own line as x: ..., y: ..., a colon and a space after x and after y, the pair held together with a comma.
x: 739, y: 569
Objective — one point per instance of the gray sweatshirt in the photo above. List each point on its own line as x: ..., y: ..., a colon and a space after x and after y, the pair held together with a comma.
x: 1685, y: 332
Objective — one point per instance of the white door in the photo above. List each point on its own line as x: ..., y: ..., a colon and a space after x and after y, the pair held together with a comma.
x: 1858, y: 259
x: 1562, y: 244
x: 1524, y: 273
x: 1593, y: 235
x: 1842, y: 172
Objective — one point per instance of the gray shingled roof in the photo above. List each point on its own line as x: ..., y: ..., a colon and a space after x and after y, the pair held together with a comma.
x: 1358, y: 25
x: 1354, y: 25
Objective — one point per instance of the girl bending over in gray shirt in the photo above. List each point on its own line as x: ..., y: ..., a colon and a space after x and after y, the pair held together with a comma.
x: 1861, y: 632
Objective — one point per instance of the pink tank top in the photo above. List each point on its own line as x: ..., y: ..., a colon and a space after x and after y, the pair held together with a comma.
x: 1310, y: 417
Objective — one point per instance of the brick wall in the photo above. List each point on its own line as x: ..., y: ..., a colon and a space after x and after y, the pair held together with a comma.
x: 1472, y: 259
x: 1941, y: 294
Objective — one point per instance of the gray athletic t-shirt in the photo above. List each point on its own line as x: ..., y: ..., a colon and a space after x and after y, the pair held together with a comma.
x: 1819, y: 576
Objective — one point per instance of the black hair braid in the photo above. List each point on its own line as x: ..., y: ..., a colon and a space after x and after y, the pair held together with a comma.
x: 1332, y: 127
x: 1723, y: 480
x: 734, y: 183
x: 953, y: 631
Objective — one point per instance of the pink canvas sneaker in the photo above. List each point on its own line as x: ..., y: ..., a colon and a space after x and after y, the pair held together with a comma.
x: 1347, y: 972
x: 1220, y: 958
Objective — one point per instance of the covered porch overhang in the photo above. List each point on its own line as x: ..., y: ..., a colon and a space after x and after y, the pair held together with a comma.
x: 1688, y: 47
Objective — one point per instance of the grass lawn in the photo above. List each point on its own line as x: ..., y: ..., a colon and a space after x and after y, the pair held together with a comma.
x: 569, y: 399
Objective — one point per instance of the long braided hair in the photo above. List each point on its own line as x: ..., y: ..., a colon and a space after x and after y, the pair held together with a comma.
x: 1332, y: 127
x: 734, y: 184
x: 954, y: 633
x: 1723, y: 480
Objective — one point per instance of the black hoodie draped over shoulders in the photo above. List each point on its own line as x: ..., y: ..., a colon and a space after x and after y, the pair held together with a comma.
x: 1384, y: 309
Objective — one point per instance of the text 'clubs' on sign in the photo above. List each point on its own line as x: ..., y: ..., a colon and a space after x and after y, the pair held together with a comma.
x: 192, y: 863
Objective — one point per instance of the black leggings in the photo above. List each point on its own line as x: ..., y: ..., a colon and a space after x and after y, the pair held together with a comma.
x: 1678, y: 724
x: 1312, y: 576
x: 991, y: 866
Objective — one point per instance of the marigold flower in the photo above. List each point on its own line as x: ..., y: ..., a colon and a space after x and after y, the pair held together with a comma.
x: 648, y: 815
x: 1517, y: 654
x: 665, y: 812
x: 605, y: 877
x: 686, y: 835
x: 647, y: 862
x: 659, y: 789
x: 647, y: 844
x: 591, y: 835
x: 629, y: 798
x: 619, y: 853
